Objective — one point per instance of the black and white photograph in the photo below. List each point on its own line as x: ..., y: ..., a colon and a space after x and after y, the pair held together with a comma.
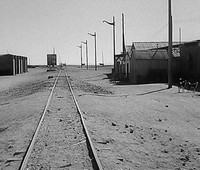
x: 99, y: 85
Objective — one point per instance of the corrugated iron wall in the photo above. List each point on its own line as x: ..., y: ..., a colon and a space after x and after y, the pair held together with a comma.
x: 12, y: 64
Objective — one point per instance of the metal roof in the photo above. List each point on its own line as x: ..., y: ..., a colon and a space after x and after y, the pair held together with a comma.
x: 150, y: 45
x: 10, y: 55
x: 150, y: 54
x: 195, y: 42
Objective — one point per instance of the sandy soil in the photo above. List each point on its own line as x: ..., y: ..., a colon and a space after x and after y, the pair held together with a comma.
x: 139, y: 127
x: 22, y: 100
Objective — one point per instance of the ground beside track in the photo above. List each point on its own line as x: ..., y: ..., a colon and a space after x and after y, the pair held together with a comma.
x: 140, y: 127
x: 132, y: 126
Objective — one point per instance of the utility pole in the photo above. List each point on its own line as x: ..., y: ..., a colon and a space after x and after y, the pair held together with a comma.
x: 123, y: 37
x: 95, y: 48
x: 81, y: 54
x: 113, y: 24
x: 102, y: 59
x: 54, y: 51
x: 170, y: 47
x: 86, y: 52
x: 180, y: 36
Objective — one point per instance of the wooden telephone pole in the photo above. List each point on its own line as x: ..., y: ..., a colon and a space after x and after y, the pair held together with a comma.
x: 170, y: 47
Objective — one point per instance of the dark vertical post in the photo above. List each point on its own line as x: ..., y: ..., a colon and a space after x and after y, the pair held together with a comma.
x: 114, y: 47
x: 87, y: 53
x: 180, y: 36
x: 81, y: 53
x: 95, y: 49
x: 113, y: 24
x: 123, y: 37
x: 81, y: 56
x: 170, y: 48
x: 95, y: 36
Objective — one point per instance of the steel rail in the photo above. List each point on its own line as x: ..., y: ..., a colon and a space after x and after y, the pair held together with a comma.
x: 96, y: 159
x: 30, y: 147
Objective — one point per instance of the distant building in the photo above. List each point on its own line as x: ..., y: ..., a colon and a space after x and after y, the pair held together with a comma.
x: 12, y: 64
x: 190, y: 60
x: 51, y: 60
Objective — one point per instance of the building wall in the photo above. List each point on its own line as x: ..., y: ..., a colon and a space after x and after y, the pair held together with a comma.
x: 148, y: 70
x: 190, y: 62
x: 6, y: 65
x: 51, y: 59
x: 11, y: 64
x: 176, y: 69
x: 127, y: 66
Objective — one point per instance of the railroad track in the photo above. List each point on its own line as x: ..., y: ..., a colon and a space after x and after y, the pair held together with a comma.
x: 61, y: 139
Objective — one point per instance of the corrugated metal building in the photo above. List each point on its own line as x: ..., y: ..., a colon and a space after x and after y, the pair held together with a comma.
x: 12, y: 64
x: 190, y: 60
x: 148, y: 66
x: 149, y: 62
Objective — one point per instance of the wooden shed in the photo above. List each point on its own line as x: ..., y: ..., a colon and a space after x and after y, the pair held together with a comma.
x: 12, y: 64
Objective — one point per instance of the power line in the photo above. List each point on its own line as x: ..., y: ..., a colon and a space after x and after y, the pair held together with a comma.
x: 155, y: 34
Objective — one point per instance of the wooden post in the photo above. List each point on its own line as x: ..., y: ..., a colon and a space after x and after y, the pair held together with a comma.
x: 170, y: 48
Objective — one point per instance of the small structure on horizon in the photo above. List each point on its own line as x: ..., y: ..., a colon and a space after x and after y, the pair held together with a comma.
x: 51, y: 60
x: 102, y: 64
x: 12, y: 64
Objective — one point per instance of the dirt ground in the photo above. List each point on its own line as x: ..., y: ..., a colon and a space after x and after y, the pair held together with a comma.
x: 136, y: 127
x: 22, y: 101
x: 139, y: 127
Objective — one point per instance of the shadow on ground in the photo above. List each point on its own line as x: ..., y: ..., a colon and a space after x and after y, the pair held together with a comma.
x: 127, y: 82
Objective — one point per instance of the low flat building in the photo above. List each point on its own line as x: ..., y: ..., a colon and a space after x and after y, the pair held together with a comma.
x: 12, y: 64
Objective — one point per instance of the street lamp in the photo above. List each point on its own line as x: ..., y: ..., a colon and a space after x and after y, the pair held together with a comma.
x: 113, y: 24
x: 86, y: 52
x: 80, y: 46
x: 95, y: 50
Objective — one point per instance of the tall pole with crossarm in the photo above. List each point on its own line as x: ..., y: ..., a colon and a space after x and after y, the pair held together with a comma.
x: 86, y: 52
x: 170, y: 47
x: 80, y: 46
x: 113, y: 24
x: 95, y: 48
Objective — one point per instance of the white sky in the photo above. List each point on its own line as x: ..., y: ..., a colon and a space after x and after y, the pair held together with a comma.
x: 32, y: 28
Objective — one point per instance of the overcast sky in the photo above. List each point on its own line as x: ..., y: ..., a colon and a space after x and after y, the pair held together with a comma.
x: 32, y: 28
